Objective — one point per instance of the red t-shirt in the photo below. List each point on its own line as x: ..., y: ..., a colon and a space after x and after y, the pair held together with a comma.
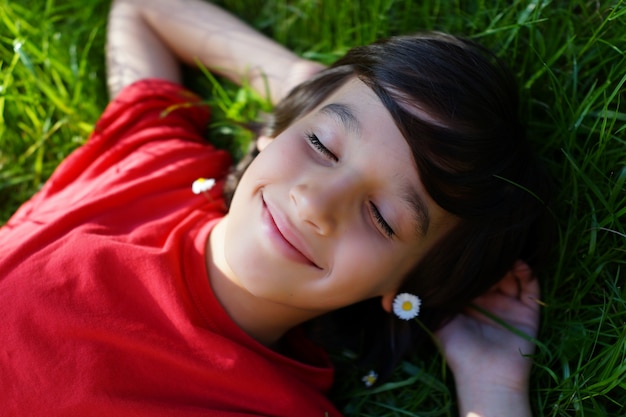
x: 106, y: 305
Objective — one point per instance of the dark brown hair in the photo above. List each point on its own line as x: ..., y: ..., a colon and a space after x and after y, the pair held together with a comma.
x: 473, y: 159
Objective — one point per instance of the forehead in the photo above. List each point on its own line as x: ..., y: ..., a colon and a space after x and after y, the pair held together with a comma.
x: 358, y: 110
x: 353, y: 90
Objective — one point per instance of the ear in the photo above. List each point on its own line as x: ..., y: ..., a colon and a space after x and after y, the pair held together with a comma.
x: 262, y: 142
x: 387, y: 301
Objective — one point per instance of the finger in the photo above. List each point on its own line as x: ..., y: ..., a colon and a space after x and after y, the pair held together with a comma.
x: 495, y: 302
x: 530, y: 293
x: 523, y: 272
x: 520, y: 267
x: 517, y: 303
x: 509, y: 285
x: 514, y: 280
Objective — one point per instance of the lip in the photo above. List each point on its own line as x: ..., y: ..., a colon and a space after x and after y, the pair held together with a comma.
x: 284, y: 237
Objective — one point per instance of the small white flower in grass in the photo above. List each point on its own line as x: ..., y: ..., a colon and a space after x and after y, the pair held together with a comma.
x: 406, y: 306
x: 370, y: 378
x: 202, y: 185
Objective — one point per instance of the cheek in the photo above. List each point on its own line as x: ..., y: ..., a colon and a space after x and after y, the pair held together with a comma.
x: 364, y: 260
x: 283, y: 156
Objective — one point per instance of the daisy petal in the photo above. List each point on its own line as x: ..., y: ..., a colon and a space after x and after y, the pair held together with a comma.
x: 202, y: 185
x: 406, y: 306
x: 370, y: 378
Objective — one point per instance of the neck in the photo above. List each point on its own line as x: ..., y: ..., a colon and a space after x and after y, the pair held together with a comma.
x: 263, y: 320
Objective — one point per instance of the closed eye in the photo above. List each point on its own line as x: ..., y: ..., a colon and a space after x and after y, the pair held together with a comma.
x: 319, y: 147
x: 380, y: 221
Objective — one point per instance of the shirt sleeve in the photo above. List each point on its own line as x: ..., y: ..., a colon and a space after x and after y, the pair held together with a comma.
x: 148, y: 111
x: 150, y: 139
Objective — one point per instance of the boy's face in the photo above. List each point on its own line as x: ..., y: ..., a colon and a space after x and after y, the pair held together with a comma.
x: 332, y: 211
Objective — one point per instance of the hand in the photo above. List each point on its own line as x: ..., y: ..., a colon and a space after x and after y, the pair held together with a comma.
x: 300, y: 71
x: 150, y: 38
x: 486, y: 358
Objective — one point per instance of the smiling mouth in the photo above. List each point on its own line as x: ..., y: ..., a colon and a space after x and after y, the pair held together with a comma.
x: 285, y: 244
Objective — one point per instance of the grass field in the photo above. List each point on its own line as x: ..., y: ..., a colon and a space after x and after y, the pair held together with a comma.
x: 570, y: 58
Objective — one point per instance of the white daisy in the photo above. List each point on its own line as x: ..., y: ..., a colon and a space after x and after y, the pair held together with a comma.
x: 406, y: 306
x: 202, y: 185
x: 370, y: 378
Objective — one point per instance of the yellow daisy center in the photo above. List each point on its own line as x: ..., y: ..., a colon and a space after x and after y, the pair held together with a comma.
x: 407, y: 305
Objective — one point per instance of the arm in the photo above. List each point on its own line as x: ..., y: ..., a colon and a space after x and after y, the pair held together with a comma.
x: 148, y: 39
x: 490, y: 371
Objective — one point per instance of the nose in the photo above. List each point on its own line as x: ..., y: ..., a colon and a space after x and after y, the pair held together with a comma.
x: 322, y: 203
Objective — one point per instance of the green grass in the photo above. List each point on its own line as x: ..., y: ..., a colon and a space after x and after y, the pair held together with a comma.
x: 570, y: 58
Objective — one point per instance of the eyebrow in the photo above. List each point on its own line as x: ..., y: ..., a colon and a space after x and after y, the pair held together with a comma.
x: 344, y: 115
x: 418, y: 207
